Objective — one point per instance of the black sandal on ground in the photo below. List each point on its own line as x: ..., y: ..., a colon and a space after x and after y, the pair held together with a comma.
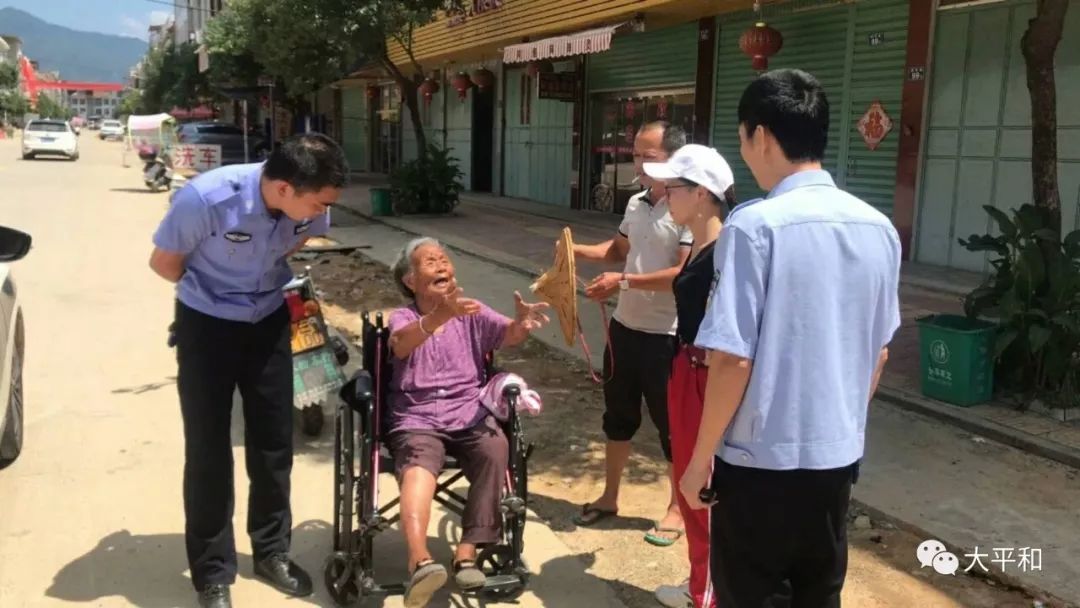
x: 428, y: 577
x: 467, y: 575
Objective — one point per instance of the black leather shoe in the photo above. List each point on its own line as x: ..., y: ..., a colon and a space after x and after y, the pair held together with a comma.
x: 283, y: 574
x: 215, y: 596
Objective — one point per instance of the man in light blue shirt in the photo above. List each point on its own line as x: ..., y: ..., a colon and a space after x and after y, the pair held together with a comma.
x: 225, y: 241
x: 804, y: 304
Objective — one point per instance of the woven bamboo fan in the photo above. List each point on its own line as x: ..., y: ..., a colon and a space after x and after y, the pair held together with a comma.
x: 558, y: 287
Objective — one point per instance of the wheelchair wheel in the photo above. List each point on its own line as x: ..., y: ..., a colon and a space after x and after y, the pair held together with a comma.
x: 344, y: 482
x: 340, y: 578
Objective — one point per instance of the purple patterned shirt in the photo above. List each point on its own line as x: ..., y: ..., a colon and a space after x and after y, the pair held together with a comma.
x: 438, y: 386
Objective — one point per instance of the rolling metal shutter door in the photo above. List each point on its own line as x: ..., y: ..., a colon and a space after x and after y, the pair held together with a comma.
x: 833, y: 44
x: 978, y: 141
x: 660, y: 58
x: 355, y: 130
x: 815, y: 42
x: 877, y: 74
x: 538, y: 146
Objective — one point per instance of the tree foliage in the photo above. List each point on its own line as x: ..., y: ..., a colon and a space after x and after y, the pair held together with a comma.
x: 253, y: 37
x: 132, y: 103
x: 9, y: 76
x: 171, y: 78
x: 13, y: 104
x: 49, y: 108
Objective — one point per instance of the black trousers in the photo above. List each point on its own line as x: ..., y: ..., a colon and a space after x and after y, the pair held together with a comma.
x: 215, y: 357
x: 779, y: 538
x: 642, y: 367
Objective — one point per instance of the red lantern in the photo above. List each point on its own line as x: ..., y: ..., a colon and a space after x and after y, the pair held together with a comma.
x: 372, y: 92
x: 760, y: 42
x: 535, y: 68
x: 427, y: 89
x: 483, y: 78
x: 461, y: 84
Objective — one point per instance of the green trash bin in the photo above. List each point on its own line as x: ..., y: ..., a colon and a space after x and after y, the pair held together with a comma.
x: 380, y: 202
x: 957, y: 359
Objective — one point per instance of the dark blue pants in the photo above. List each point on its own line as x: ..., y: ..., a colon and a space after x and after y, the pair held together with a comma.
x: 215, y: 356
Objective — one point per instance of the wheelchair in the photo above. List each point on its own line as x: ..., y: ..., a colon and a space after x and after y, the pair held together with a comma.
x: 359, y: 458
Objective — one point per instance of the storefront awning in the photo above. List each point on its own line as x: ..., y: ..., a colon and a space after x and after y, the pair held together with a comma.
x: 582, y: 43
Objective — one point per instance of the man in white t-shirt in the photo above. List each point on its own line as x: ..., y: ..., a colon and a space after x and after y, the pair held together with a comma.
x: 642, y: 331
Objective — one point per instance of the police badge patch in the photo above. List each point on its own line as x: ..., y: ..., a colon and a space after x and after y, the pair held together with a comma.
x: 238, y: 237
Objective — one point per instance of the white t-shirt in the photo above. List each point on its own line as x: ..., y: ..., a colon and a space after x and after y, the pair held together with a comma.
x: 655, y: 242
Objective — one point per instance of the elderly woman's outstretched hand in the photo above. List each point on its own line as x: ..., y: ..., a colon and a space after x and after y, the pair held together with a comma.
x: 454, y: 302
x: 529, y: 316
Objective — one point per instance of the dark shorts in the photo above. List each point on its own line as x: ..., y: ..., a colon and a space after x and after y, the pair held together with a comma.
x: 482, y: 451
x: 642, y: 367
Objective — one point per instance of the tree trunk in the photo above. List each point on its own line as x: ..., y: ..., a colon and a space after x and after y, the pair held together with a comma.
x: 409, y: 98
x: 1039, y: 45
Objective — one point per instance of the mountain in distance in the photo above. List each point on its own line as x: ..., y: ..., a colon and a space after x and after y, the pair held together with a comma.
x: 84, y: 56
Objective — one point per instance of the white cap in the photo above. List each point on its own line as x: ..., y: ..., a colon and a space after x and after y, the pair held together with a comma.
x: 696, y: 163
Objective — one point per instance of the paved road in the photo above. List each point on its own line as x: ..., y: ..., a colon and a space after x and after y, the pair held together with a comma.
x: 91, y: 513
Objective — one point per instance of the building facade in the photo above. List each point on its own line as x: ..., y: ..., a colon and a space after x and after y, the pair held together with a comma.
x: 929, y: 120
x: 191, y: 17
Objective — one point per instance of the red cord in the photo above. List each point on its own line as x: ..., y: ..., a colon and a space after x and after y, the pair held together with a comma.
x: 607, y: 338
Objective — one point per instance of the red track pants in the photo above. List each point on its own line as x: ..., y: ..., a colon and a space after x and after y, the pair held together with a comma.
x: 686, y: 399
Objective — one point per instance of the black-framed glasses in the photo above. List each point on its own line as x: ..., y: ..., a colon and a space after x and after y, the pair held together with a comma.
x: 677, y: 186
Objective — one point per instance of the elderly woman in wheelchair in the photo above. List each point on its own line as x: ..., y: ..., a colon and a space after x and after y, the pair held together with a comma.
x: 438, y: 346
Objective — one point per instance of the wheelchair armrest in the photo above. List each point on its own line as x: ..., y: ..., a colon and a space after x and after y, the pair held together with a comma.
x: 359, y: 390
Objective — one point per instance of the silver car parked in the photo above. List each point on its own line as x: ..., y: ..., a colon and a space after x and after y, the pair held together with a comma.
x: 14, y: 245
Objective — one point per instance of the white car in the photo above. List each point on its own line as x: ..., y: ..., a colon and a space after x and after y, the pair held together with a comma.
x: 111, y: 128
x: 53, y: 137
x: 14, y: 245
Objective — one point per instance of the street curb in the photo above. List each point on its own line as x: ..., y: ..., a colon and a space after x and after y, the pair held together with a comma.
x: 958, y: 417
x: 1001, y: 578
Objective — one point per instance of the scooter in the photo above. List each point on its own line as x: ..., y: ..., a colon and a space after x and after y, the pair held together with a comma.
x: 157, y: 169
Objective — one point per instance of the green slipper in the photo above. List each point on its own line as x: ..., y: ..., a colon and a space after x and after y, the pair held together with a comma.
x: 653, y: 537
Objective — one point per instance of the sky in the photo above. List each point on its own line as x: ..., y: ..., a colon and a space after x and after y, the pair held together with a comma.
x: 121, y: 17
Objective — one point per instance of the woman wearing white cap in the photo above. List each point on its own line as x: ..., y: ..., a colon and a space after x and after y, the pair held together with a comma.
x: 700, y: 189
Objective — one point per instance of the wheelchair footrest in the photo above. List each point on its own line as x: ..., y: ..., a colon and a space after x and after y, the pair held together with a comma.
x: 502, y: 582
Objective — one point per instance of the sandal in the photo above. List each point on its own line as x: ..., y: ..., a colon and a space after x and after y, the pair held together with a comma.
x: 664, y: 537
x: 590, y: 515
x: 467, y: 575
x: 426, y: 579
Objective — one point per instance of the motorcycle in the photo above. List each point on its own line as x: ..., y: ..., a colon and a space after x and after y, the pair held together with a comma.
x: 318, y: 357
x: 157, y: 168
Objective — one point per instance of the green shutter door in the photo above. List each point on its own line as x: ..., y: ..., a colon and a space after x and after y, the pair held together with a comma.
x: 833, y: 44
x: 877, y: 74
x: 978, y: 144
x: 538, y: 143
x: 355, y: 129
x: 517, y: 177
x: 661, y: 58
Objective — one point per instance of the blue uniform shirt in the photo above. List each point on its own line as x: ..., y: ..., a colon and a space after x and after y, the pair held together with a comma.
x: 235, y: 266
x: 806, y: 286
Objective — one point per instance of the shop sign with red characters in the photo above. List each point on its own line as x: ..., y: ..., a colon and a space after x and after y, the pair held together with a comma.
x: 874, y: 125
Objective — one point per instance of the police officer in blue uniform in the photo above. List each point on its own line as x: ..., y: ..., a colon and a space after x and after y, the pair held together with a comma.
x: 225, y: 241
